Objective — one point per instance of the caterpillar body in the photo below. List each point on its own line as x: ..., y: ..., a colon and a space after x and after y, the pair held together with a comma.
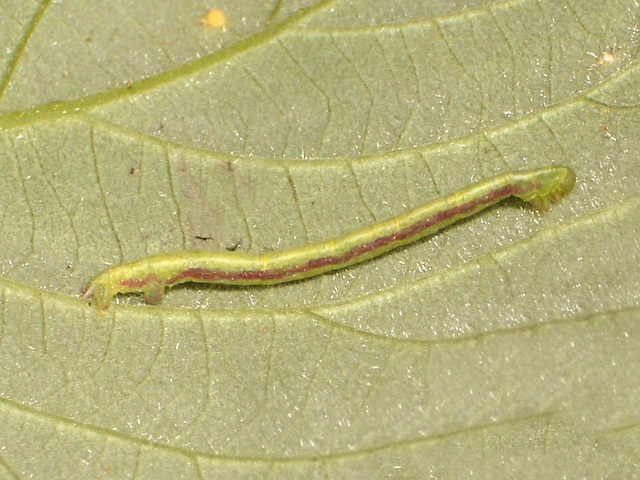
x: 152, y: 275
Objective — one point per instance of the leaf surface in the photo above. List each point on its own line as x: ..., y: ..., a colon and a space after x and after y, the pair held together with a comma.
x: 505, y: 346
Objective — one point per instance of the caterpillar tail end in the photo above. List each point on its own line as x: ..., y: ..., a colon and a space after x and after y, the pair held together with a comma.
x: 563, y: 184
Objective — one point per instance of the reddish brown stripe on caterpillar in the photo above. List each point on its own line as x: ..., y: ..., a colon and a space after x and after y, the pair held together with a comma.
x: 152, y: 275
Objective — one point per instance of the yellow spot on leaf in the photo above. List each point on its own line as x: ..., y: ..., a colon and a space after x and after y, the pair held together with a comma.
x: 215, y: 18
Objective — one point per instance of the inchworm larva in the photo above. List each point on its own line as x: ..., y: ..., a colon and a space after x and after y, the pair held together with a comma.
x: 151, y: 275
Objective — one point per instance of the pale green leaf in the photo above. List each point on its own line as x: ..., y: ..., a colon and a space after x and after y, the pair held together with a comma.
x: 504, y: 347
